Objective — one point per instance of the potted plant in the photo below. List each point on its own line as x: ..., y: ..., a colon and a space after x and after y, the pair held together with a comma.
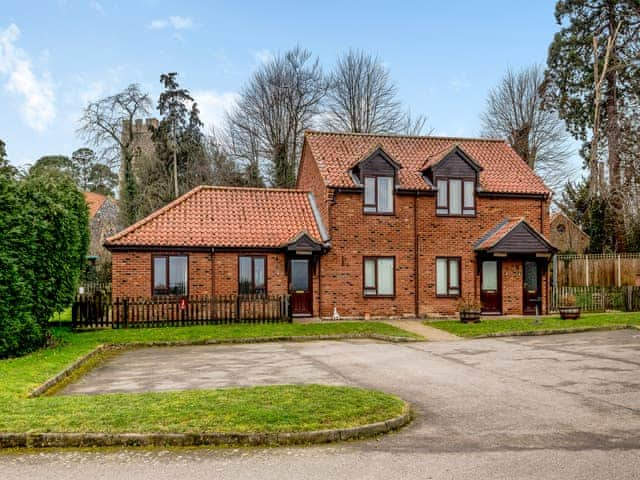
x: 569, y: 309
x: 469, y: 311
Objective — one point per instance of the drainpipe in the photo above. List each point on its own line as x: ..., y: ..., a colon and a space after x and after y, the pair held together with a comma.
x: 416, y: 267
x: 213, y: 275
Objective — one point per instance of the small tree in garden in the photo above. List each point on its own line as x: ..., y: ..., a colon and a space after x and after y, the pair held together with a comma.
x: 45, y: 235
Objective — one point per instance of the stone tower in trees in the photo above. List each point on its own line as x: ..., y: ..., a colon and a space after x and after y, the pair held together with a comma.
x: 142, y: 145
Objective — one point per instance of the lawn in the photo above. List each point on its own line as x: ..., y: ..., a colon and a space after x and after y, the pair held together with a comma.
x: 259, y: 409
x: 490, y: 326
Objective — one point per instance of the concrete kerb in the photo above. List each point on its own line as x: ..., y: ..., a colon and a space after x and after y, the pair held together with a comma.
x: 77, y: 440
x: 79, y: 363
x: 557, y: 331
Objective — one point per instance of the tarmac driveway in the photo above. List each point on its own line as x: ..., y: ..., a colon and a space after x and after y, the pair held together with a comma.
x: 565, y: 406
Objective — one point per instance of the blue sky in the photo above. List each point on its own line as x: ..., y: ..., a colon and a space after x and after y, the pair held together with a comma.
x: 56, y: 55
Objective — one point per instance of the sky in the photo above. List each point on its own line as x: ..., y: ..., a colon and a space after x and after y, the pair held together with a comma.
x: 57, y: 55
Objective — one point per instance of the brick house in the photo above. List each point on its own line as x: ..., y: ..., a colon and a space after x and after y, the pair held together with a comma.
x: 378, y: 225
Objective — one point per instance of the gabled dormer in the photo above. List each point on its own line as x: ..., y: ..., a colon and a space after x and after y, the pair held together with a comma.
x: 377, y: 173
x: 455, y: 177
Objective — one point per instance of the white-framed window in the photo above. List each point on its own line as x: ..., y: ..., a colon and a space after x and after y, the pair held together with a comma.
x: 379, y: 276
x: 448, y: 278
x: 378, y: 194
x: 455, y: 197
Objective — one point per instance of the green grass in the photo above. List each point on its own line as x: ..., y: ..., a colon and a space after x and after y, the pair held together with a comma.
x: 61, y: 318
x: 259, y: 409
x: 519, y: 325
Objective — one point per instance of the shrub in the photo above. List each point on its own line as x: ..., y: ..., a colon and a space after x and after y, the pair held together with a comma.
x: 45, y: 235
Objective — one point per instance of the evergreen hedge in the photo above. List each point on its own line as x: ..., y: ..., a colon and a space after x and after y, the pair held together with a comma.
x: 44, y: 222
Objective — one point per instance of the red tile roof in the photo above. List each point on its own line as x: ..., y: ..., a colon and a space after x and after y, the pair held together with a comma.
x: 503, y: 171
x: 226, y: 217
x: 95, y: 201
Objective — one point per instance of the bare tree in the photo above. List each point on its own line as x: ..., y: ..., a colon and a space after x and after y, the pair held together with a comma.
x: 274, y: 109
x: 514, y: 113
x: 362, y: 98
x: 108, y: 125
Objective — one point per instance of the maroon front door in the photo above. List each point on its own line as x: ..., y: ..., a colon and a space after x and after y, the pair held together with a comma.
x: 531, y: 287
x: 490, y: 288
x: 300, y: 286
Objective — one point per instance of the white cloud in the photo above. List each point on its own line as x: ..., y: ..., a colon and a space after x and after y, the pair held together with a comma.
x: 213, y: 105
x: 177, y: 22
x: 158, y: 24
x: 97, y: 6
x: 36, y: 92
x: 263, y: 55
x: 181, y: 23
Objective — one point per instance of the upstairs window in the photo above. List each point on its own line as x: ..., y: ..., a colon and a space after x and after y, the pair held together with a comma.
x: 456, y: 197
x: 170, y: 275
x: 252, y: 277
x: 378, y: 194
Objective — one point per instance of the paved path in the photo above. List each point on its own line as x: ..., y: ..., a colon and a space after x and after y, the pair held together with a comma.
x: 554, y: 407
x: 430, y: 333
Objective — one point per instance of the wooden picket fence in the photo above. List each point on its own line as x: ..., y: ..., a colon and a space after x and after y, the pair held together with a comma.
x: 99, y: 311
x: 598, y: 299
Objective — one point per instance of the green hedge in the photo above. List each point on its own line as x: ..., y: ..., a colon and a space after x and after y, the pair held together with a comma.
x: 43, y: 246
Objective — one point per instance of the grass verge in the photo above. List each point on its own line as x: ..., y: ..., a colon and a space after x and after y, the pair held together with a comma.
x: 283, y: 408
x: 507, y: 326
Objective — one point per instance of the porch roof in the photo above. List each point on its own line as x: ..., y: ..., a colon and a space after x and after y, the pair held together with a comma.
x: 516, y: 236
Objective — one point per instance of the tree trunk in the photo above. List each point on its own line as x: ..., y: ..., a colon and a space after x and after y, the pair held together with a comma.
x: 613, y: 142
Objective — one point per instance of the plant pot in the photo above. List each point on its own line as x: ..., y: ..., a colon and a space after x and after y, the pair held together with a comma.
x: 470, y: 316
x: 569, y: 313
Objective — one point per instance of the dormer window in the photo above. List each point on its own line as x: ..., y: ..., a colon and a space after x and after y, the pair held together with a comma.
x: 378, y: 194
x: 456, y: 197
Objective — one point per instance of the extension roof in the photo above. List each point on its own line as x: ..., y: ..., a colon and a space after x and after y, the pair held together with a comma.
x: 514, y: 235
x: 227, y: 217
x: 501, y: 169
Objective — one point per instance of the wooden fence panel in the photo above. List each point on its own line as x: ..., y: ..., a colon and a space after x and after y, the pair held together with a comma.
x: 99, y: 311
x: 603, y: 270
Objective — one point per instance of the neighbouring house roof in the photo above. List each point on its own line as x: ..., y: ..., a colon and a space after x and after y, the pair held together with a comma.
x: 502, y: 170
x: 95, y: 201
x: 514, y: 235
x: 227, y: 217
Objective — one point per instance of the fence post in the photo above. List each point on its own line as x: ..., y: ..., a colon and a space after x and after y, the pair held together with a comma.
x: 618, y: 273
x: 238, y: 304
x: 586, y: 270
x: 125, y: 312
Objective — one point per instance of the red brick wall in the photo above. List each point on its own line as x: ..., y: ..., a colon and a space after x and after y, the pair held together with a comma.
x: 354, y: 235
x: 131, y: 273
x: 309, y: 178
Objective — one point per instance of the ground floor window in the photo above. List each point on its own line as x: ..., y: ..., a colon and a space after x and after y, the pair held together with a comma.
x: 252, y: 277
x: 379, y: 276
x: 448, y: 276
x: 170, y: 274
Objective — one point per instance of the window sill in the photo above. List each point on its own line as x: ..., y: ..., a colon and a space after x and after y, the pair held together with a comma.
x: 456, y: 216
x: 379, y: 296
x: 381, y: 214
